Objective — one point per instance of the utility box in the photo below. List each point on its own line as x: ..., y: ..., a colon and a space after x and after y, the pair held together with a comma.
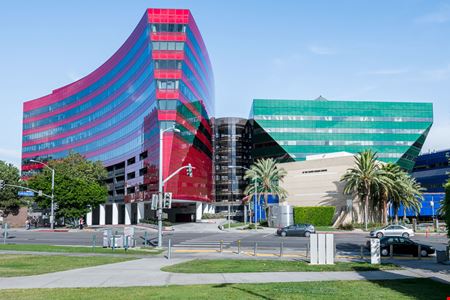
x: 441, y: 256
x: 128, y: 232
x: 280, y: 216
x: 322, y: 249
x: 107, y: 233
x: 375, y: 257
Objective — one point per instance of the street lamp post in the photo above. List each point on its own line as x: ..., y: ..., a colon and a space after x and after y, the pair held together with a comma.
x: 161, y: 182
x: 256, y: 186
x: 52, y: 207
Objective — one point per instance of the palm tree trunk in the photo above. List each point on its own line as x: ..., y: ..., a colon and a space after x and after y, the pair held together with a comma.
x: 366, y: 210
x: 396, y: 214
x: 385, y: 213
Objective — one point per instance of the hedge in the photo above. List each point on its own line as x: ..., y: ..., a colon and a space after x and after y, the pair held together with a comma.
x: 315, y: 215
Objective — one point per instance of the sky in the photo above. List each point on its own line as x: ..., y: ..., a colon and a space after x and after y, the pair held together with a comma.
x: 343, y: 50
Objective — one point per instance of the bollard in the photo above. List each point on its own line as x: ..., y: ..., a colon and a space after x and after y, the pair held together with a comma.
x: 125, y: 245
x: 93, y: 243
x: 391, y: 250
x: 362, y: 252
x: 239, y: 246
x: 221, y: 246
x: 419, y: 249
x: 5, y: 233
x: 281, y: 249
x: 145, y: 238
x: 113, y: 242
x: 307, y: 250
x: 255, y: 249
x: 169, y: 252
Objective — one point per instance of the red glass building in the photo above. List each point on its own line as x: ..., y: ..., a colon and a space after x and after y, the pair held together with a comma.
x: 160, y: 77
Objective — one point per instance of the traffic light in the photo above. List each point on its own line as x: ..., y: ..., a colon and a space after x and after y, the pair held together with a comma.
x: 167, y: 200
x: 2, y: 184
x: 189, y: 170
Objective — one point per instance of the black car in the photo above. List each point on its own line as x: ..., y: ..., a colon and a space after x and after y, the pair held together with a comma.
x: 296, y: 230
x: 403, y: 245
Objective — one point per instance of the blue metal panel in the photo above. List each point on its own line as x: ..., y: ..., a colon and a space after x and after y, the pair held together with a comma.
x: 427, y: 209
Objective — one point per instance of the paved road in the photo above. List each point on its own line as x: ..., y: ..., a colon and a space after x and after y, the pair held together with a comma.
x: 345, y: 242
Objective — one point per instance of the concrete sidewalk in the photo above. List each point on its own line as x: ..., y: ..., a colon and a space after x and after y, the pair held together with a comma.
x: 146, y: 272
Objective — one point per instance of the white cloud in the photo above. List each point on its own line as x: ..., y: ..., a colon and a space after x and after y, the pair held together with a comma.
x: 437, y: 74
x: 320, y: 50
x: 387, y: 72
x: 437, y: 138
x: 440, y: 16
x: 11, y: 156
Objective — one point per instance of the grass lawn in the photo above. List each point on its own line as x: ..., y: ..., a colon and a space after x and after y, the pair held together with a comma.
x: 244, y: 265
x: 76, y: 249
x: 325, y: 228
x: 24, y: 265
x: 348, y: 290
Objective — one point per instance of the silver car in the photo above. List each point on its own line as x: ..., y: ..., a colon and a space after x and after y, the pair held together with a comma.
x: 392, y: 230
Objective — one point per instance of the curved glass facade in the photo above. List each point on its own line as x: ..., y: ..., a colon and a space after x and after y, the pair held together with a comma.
x: 294, y: 129
x: 159, y: 77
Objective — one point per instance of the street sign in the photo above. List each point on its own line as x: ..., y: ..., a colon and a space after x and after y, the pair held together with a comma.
x: 155, y: 199
x: 25, y: 194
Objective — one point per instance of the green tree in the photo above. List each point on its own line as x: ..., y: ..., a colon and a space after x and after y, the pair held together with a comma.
x: 444, y: 209
x: 79, y: 185
x: 9, y: 201
x: 268, y: 177
x: 408, y: 194
x: 389, y: 190
x: 365, y: 179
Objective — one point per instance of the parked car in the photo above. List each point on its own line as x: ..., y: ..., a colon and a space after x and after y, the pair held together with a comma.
x: 401, y: 245
x: 296, y: 230
x: 392, y: 230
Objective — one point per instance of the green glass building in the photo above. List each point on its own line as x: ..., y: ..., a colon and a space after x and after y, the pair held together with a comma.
x: 293, y: 129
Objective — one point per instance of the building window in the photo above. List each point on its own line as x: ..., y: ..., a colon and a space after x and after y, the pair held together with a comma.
x: 142, y: 171
x: 131, y: 161
x: 131, y: 175
x: 178, y: 46
x: 167, y: 84
x: 143, y: 155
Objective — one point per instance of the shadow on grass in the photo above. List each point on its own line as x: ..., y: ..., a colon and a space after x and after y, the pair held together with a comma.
x: 236, y: 287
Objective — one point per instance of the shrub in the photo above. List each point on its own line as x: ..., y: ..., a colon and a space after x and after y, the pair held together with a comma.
x: 155, y: 222
x: 348, y: 226
x: 315, y: 215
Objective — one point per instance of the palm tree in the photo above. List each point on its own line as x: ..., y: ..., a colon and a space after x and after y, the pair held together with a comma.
x: 408, y: 194
x: 365, y: 179
x: 388, y: 190
x: 268, y: 176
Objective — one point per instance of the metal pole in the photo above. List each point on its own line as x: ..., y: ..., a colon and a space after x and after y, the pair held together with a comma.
x: 169, y: 252
x: 281, y: 249
x: 93, y: 242
x: 160, y: 189
x: 245, y: 214
x: 5, y: 233
x: 362, y: 252
x: 256, y: 196
x: 113, y: 241
x: 419, y: 255
x: 391, y: 248
x: 255, y: 249
x: 221, y: 246
x: 307, y: 250
x: 145, y: 238
x: 239, y: 246
x: 229, y: 215
x: 52, y: 215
